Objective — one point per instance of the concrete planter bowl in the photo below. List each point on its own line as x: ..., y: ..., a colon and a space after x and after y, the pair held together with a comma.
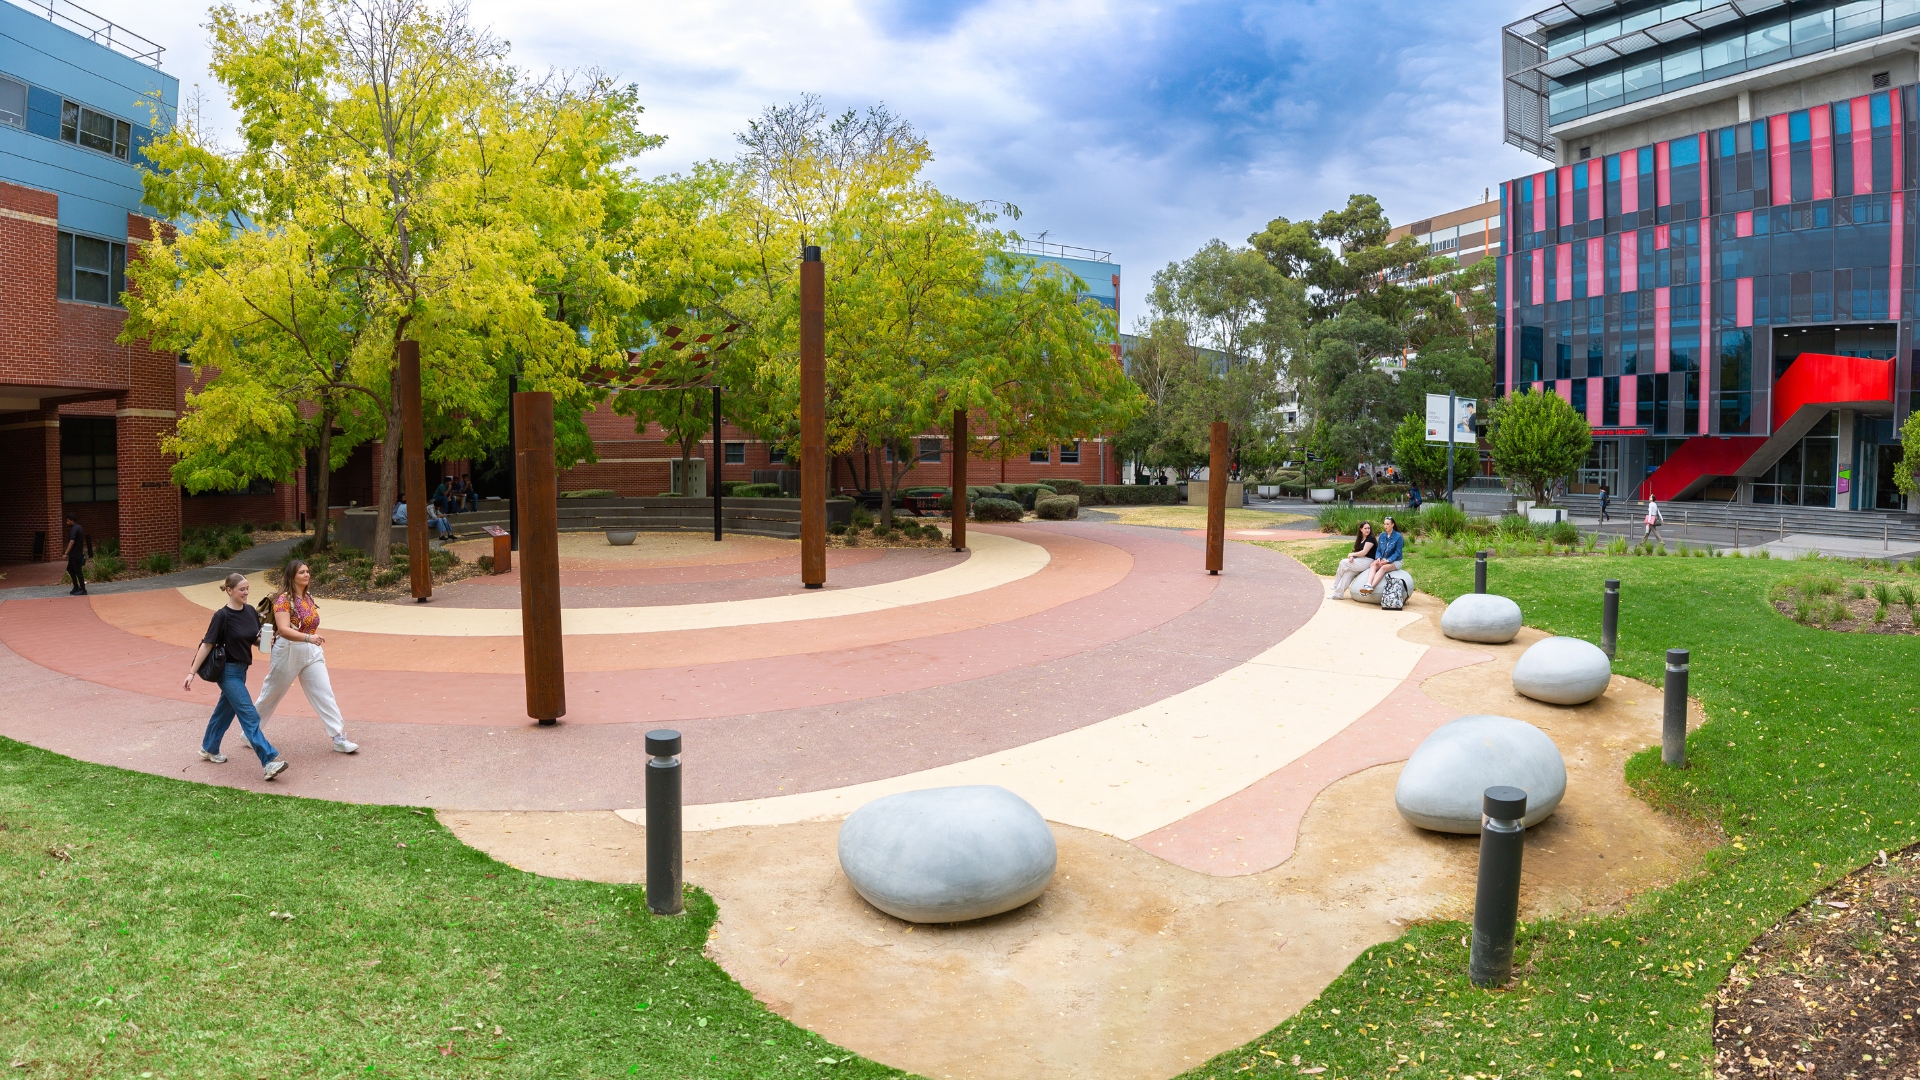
x: 621, y: 537
x: 1320, y: 495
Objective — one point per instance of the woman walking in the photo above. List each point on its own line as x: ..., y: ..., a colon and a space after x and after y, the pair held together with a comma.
x: 1357, y: 562
x: 297, y: 656
x: 233, y: 630
x: 1654, y: 521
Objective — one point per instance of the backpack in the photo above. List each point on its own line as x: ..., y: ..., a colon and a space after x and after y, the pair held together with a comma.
x: 1393, y: 593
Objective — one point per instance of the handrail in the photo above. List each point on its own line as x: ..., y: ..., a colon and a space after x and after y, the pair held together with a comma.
x: 100, y: 30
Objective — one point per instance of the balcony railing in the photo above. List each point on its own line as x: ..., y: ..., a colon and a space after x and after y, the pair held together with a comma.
x: 96, y: 28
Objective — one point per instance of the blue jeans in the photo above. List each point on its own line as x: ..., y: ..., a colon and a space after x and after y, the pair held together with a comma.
x: 237, y: 700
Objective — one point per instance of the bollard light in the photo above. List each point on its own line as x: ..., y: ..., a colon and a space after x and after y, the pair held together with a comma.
x: 1496, y: 898
x: 663, y: 822
x: 1480, y: 571
x: 1610, y: 617
x: 1673, y: 725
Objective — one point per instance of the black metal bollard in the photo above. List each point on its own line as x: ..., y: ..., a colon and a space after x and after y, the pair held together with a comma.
x: 1496, y: 899
x: 1673, y: 725
x: 663, y: 822
x: 1479, y: 571
x: 1610, y: 617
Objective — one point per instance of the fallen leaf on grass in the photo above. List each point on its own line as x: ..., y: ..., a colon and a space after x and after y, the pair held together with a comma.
x: 60, y: 854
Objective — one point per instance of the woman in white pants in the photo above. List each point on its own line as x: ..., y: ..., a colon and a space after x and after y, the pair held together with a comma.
x: 1357, y: 562
x: 297, y: 655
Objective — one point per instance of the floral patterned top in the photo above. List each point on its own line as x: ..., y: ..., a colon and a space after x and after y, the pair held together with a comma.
x: 303, y: 614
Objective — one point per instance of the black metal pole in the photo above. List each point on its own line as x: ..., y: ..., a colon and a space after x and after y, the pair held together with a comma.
x: 1450, y: 426
x: 1496, y: 899
x: 1673, y: 723
x: 1479, y: 571
x: 719, y: 458
x: 663, y: 822
x: 1610, y: 617
x: 513, y: 470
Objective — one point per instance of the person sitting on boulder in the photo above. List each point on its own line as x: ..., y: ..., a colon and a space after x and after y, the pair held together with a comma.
x: 1357, y: 562
x: 1392, y: 548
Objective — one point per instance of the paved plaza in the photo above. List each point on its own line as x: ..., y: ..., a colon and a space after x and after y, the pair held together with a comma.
x: 1216, y: 754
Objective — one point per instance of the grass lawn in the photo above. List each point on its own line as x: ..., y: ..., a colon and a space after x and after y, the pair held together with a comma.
x: 1195, y: 517
x: 1806, y: 762
x: 142, y: 940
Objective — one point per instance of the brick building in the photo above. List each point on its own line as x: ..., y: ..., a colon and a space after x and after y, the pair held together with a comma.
x: 81, y: 416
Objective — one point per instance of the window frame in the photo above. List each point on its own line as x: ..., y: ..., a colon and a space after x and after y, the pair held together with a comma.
x: 924, y: 456
x: 94, y: 432
x: 1041, y: 456
x: 74, y: 118
x: 1075, y: 451
x: 20, y: 120
x: 67, y: 269
x: 733, y: 453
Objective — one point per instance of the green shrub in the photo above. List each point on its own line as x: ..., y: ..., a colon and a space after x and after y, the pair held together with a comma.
x: 1906, y: 595
x: 1026, y: 494
x: 837, y: 529
x: 997, y: 509
x: 588, y: 493
x: 1129, y: 495
x: 862, y: 519
x: 193, y: 554
x: 387, y: 577
x: 1342, y: 520
x: 248, y: 527
x: 107, y: 563
x: 757, y: 491
x: 1563, y: 532
x: 1067, y: 487
x: 882, y: 531
x: 160, y: 562
x: 1444, y: 518
x: 1517, y: 527
x: 485, y: 562
x: 1057, y: 507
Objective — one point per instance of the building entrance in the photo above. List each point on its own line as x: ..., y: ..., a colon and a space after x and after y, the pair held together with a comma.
x: 1804, y: 475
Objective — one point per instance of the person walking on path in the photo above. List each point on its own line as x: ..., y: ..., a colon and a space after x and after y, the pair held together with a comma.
x: 76, y: 556
x: 1393, y: 543
x: 1606, y: 500
x: 233, y: 630
x: 1356, y: 562
x: 1654, y: 521
x: 297, y: 655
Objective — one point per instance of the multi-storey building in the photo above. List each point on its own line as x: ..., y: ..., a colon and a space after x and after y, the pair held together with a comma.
x: 1466, y: 235
x: 1717, y: 268
x: 81, y: 416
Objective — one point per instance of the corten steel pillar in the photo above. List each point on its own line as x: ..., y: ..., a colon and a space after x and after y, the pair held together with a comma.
x: 959, y: 480
x: 539, y: 501
x: 1217, y: 500
x: 413, y: 463
x: 813, y: 420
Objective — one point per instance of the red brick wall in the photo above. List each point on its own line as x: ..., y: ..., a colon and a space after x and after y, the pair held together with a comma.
x: 239, y: 509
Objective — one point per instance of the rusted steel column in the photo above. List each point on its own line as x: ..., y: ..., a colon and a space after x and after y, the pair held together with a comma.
x: 959, y: 480
x: 538, y: 495
x: 1217, y: 499
x: 413, y: 469
x: 813, y: 420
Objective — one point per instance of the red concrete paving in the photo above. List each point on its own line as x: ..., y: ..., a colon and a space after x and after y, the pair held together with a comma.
x: 31, y: 575
x: 1254, y: 830
x: 582, y: 575
x: 655, y: 586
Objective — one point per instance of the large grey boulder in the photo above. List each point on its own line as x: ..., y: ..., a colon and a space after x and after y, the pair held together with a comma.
x: 947, y: 854
x: 1374, y: 596
x: 1441, y: 784
x: 1562, y: 671
x: 1481, y: 617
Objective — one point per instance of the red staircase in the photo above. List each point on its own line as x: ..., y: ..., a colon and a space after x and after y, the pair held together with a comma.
x: 1812, y: 385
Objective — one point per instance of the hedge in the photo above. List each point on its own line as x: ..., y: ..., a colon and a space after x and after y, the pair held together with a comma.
x: 1129, y: 495
x: 1067, y: 487
x: 1057, y: 507
x: 996, y: 510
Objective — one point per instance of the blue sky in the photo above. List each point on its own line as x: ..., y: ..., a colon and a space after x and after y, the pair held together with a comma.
x: 1144, y: 129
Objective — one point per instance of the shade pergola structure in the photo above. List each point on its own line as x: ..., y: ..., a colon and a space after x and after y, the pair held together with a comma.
x: 634, y: 376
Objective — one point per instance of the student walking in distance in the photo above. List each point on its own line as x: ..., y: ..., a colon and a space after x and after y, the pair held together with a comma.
x: 233, y: 631
x: 1606, y: 500
x: 76, y: 556
x: 297, y: 656
x: 1654, y: 521
x: 1357, y: 561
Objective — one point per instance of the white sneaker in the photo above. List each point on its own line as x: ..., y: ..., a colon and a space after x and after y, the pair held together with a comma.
x: 342, y: 746
x: 274, y: 768
x: 217, y: 759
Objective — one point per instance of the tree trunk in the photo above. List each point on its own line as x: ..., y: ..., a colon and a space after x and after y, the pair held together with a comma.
x: 389, y: 478
x: 322, y: 489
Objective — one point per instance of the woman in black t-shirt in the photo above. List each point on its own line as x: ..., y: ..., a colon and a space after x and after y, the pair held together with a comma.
x: 234, y: 629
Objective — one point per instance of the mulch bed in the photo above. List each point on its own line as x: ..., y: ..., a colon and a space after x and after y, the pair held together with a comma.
x: 341, y: 587
x: 1900, y: 619
x: 1833, y: 990
x: 895, y: 540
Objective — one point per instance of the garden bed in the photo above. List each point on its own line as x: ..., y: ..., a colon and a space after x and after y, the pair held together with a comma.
x: 349, y: 574
x: 906, y: 533
x: 1826, y: 600
x: 1832, y: 990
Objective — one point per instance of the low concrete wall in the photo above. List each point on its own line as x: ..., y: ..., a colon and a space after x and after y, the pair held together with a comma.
x: 754, y: 517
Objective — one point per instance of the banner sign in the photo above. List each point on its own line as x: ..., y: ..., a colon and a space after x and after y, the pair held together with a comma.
x: 1463, y: 410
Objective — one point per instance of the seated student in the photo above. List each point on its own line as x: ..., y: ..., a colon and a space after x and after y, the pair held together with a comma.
x: 1356, y: 562
x: 400, y: 511
x: 437, y: 523
x: 440, y: 494
x: 1392, y: 546
x: 462, y: 495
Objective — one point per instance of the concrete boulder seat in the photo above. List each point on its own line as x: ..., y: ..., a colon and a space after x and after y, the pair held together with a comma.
x: 1441, y: 785
x: 1481, y: 617
x: 948, y: 854
x: 1562, y: 671
x: 1374, y: 596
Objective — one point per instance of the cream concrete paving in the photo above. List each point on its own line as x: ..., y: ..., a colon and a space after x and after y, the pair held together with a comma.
x: 995, y: 560
x: 1133, y: 773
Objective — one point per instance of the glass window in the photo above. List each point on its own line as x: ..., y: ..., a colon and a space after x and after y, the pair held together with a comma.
x: 1040, y: 456
x: 13, y: 103
x: 1640, y: 20
x: 1567, y: 102
x: 1070, y: 453
x: 1724, y: 57
x: 1643, y: 81
x: 89, y: 470
x: 1765, y: 44
x: 95, y: 130
x: 1603, y: 92
x: 1812, y: 31
x: 1856, y: 21
x: 930, y: 450
x: 736, y: 453
x: 1680, y: 69
x: 89, y: 269
x: 1900, y: 14
x: 777, y: 455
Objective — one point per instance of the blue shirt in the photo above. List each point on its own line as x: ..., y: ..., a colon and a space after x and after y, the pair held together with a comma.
x: 1391, y: 544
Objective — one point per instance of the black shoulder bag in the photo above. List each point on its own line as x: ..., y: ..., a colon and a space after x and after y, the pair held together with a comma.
x: 215, y: 665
